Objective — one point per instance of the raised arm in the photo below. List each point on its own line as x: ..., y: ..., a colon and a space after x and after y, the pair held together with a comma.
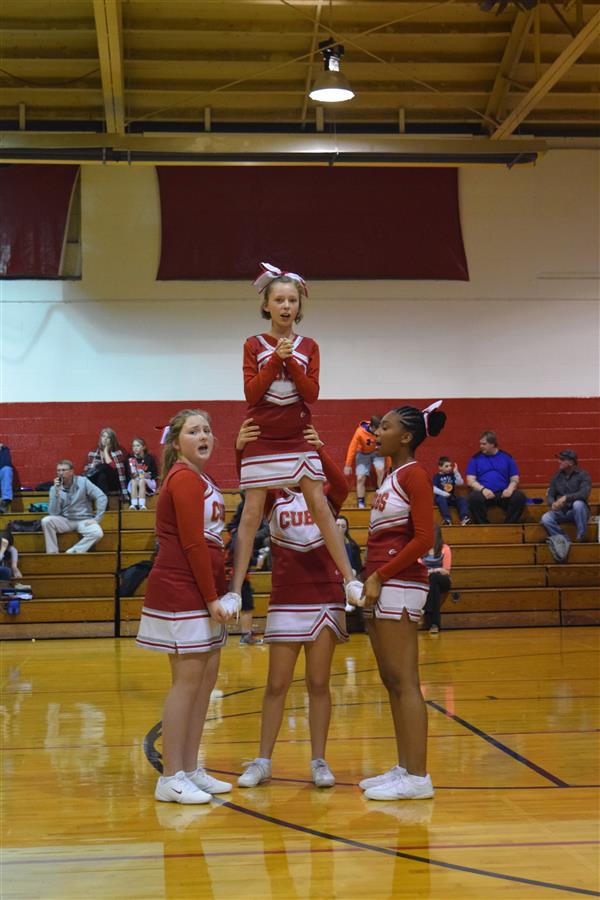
x: 187, y: 491
x: 256, y: 383
x: 307, y: 383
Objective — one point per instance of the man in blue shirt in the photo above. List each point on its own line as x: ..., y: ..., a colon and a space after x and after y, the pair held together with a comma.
x: 493, y: 477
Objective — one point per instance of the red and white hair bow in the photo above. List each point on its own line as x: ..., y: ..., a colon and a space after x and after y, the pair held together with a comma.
x: 270, y: 273
x: 428, y: 410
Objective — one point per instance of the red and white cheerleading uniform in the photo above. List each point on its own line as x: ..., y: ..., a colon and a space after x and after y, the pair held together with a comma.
x: 307, y: 592
x: 400, y: 531
x: 189, y: 570
x: 277, y: 392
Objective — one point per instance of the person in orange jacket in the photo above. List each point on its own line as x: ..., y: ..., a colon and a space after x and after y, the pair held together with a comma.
x: 362, y: 454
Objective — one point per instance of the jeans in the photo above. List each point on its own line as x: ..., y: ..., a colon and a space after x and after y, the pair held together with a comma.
x: 6, y: 482
x: 439, y: 585
x: 578, y: 513
x: 512, y: 506
x: 443, y: 504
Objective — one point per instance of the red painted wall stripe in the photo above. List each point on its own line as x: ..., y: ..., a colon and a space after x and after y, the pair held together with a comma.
x: 532, y: 429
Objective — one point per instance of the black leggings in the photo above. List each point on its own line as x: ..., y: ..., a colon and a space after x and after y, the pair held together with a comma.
x: 106, y: 478
x: 439, y: 585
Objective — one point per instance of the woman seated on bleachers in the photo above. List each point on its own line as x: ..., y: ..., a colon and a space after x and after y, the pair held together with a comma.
x: 106, y: 465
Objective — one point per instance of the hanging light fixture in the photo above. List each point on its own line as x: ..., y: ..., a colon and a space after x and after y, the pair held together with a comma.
x: 331, y: 86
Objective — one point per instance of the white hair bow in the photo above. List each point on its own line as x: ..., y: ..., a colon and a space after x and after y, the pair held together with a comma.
x: 269, y: 273
x: 428, y: 410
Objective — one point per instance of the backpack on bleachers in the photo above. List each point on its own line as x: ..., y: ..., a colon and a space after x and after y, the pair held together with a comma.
x: 131, y: 577
x: 25, y: 525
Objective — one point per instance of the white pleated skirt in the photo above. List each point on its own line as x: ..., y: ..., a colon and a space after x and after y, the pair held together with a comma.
x: 280, y: 470
x: 292, y: 622
x: 180, y: 632
x: 396, y: 596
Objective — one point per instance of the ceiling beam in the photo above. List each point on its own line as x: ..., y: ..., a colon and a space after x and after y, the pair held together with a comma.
x: 550, y: 77
x: 510, y: 60
x: 107, y: 14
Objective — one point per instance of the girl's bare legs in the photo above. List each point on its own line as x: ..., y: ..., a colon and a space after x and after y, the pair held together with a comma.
x: 251, y: 518
x: 134, y: 489
x: 323, y: 517
x: 142, y: 491
x: 198, y: 715
x: 396, y: 651
x: 319, y: 654
x: 282, y: 660
x: 246, y: 621
x: 14, y: 562
x: 187, y: 673
x: 361, y: 481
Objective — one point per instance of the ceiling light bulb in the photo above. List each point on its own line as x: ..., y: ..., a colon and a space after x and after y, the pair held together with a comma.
x: 331, y: 86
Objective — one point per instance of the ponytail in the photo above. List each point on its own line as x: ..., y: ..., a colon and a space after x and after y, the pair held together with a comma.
x: 420, y: 427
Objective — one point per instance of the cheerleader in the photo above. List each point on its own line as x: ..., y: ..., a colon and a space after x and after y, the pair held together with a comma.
x: 306, y: 609
x: 400, y: 531
x: 184, y: 608
x: 281, y: 376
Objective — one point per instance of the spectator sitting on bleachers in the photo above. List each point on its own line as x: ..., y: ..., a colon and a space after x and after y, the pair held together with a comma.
x: 493, y: 476
x: 70, y: 509
x: 445, y: 482
x: 9, y: 553
x: 568, y: 494
x: 142, y: 474
x: 106, y: 465
x: 6, y: 478
x: 352, y: 548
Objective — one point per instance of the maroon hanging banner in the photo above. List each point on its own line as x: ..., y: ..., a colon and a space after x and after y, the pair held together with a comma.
x: 34, y: 212
x: 324, y: 222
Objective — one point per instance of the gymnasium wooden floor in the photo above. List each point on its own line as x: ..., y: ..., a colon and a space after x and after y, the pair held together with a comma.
x: 513, y: 753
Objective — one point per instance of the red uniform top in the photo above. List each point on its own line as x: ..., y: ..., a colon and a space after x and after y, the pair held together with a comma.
x: 401, y: 526
x: 278, y: 390
x: 303, y: 571
x: 189, y: 570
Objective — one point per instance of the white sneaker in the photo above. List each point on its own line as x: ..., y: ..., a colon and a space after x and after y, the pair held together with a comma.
x: 354, y: 590
x: 256, y: 772
x: 207, y: 783
x: 179, y: 789
x: 376, y: 780
x: 321, y: 773
x: 403, y: 787
x: 131, y: 506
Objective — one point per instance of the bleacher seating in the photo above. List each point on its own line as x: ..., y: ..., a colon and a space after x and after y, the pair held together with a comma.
x: 505, y: 574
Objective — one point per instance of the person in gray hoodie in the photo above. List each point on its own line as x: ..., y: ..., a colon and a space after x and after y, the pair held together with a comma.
x: 71, y: 508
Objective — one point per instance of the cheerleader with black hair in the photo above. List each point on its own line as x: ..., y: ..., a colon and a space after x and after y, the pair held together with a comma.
x: 401, y: 531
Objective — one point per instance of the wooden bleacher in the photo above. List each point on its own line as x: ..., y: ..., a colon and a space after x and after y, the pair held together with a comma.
x: 505, y: 574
